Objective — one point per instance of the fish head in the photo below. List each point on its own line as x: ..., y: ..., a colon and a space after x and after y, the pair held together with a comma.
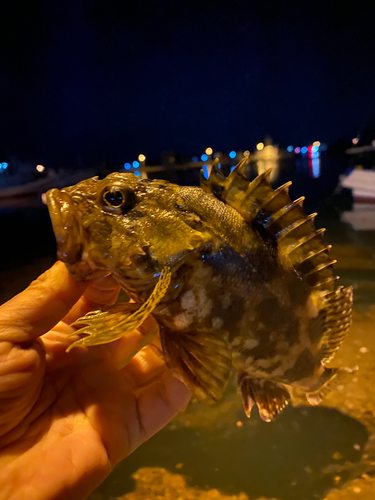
x: 123, y: 225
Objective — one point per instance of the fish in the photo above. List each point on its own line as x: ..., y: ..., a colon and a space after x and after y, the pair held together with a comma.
x: 233, y: 271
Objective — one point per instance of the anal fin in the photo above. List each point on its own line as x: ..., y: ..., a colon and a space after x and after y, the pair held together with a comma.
x: 270, y: 397
x: 327, y: 381
x: 202, y: 361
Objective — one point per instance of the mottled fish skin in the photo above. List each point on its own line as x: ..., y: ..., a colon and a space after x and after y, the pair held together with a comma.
x: 234, y: 302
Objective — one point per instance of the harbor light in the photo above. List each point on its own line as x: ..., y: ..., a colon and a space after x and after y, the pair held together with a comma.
x: 204, y: 157
x: 141, y: 157
x: 355, y: 140
x: 290, y: 149
x: 232, y: 154
x: 40, y: 168
x: 3, y: 166
x: 316, y: 143
x: 297, y: 150
x: 260, y: 146
x: 304, y: 150
x: 246, y: 153
x: 206, y: 171
x: 209, y: 151
x: 127, y: 166
x: 135, y: 164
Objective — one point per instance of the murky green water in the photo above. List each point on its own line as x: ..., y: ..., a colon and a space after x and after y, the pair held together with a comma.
x: 289, y: 458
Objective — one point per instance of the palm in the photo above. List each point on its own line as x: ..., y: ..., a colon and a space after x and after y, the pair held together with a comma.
x: 79, y: 411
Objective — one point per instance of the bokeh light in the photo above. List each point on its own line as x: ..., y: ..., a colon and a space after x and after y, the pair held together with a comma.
x: 141, y: 157
x: 136, y: 164
x: 209, y: 151
x: 260, y: 146
x: 232, y: 154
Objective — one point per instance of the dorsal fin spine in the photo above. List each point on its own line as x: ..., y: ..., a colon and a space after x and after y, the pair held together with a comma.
x: 283, y: 211
x: 321, y: 267
x: 316, y: 254
x: 286, y: 231
x: 302, y: 241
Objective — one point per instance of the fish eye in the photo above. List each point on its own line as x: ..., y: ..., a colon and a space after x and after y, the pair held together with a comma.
x: 113, y: 198
x: 117, y: 199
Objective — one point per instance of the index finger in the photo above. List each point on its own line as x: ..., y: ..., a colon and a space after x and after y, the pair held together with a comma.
x: 41, y: 306
x: 100, y: 292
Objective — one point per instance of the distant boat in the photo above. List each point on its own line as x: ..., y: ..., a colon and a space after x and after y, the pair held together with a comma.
x: 31, y: 188
x: 31, y: 192
x: 361, y: 183
x: 361, y: 217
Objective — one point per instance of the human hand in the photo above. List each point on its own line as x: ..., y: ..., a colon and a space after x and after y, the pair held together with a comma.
x: 67, y: 419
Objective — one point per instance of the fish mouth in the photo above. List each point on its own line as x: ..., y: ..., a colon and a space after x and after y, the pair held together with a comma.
x: 65, y: 226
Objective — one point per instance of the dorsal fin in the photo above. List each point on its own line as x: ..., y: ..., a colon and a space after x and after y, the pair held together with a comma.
x: 278, y: 220
x: 337, y: 318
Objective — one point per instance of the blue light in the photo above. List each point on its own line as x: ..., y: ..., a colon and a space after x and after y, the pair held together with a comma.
x: 315, y: 168
x: 206, y: 173
x: 127, y: 166
x: 304, y: 150
x: 135, y: 164
x: 290, y: 149
x: 204, y: 157
x: 195, y: 158
x: 314, y: 149
x: 232, y: 168
x: 232, y: 154
x: 137, y: 173
x: 3, y: 166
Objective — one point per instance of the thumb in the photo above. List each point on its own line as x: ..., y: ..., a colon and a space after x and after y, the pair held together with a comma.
x: 41, y: 306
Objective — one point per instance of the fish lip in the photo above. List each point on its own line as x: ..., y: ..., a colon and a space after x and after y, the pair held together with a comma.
x: 65, y: 226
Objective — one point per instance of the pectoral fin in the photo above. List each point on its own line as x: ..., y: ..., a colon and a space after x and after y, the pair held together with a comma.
x: 102, y: 327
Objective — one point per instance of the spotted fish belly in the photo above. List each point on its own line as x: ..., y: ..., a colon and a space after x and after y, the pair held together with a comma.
x: 231, y: 314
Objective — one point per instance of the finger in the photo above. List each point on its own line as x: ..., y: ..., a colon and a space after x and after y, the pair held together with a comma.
x: 38, y: 308
x: 100, y: 292
x: 123, y: 350
x: 158, y: 403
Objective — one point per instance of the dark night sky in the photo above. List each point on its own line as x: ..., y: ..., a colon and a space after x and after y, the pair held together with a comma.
x: 93, y: 80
